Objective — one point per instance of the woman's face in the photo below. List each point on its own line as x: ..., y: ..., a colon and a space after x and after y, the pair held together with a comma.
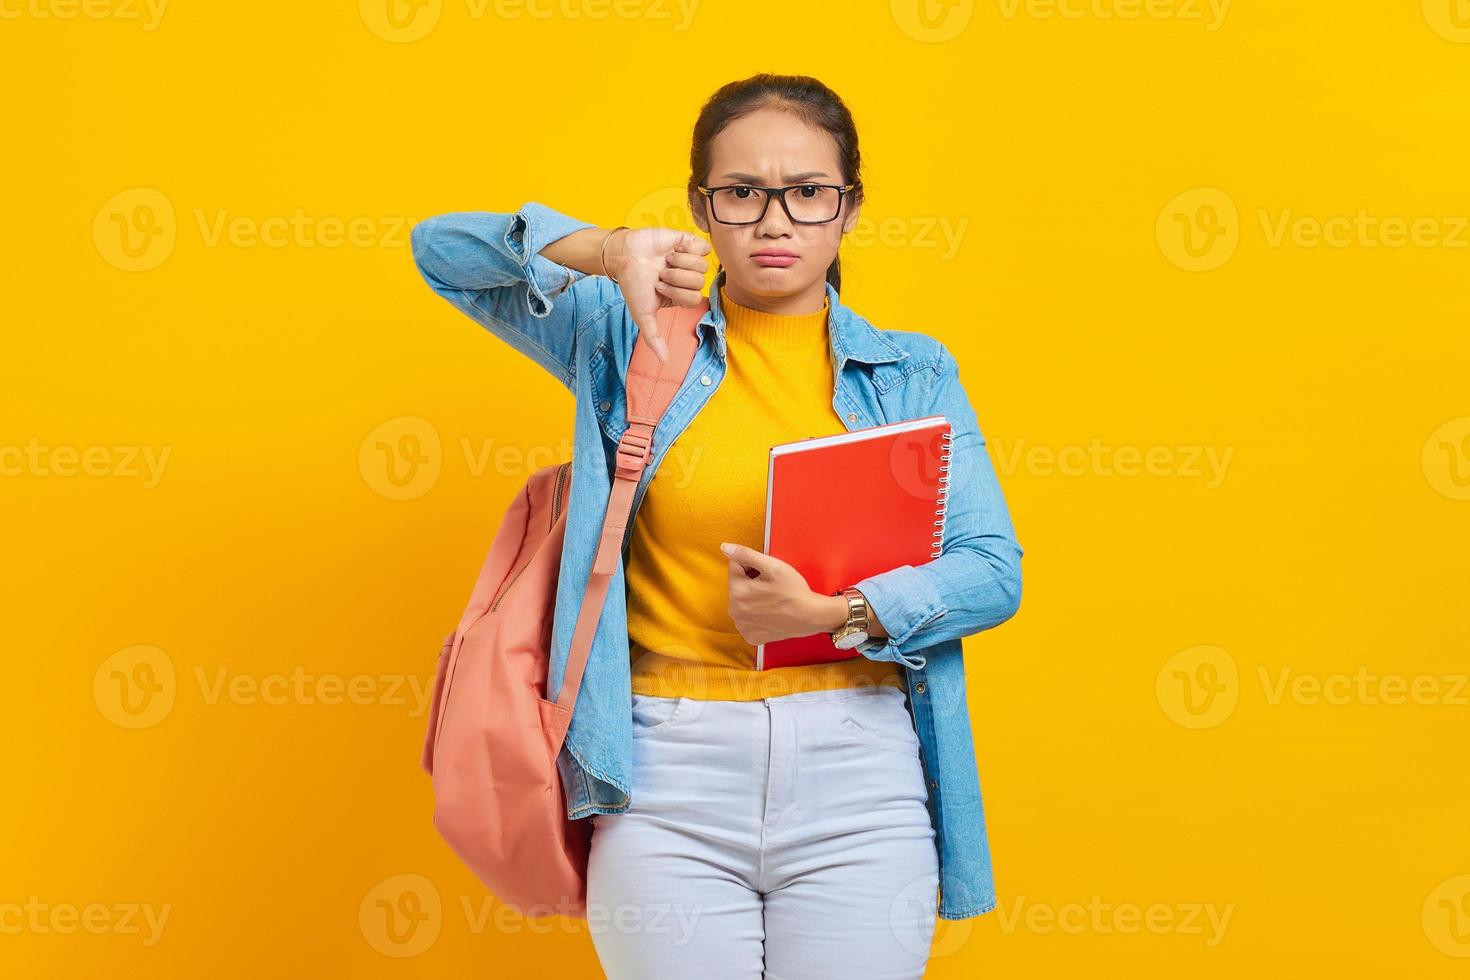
x: 772, y: 148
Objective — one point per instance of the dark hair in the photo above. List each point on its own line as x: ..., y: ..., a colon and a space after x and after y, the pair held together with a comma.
x: 801, y: 95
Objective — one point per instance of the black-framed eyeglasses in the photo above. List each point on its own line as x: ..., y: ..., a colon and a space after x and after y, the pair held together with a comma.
x: 746, y: 204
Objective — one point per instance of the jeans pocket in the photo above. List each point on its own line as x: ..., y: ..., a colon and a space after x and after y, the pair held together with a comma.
x: 652, y: 715
x: 881, y: 721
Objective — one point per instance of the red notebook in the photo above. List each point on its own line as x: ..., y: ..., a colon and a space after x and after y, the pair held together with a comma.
x: 840, y: 508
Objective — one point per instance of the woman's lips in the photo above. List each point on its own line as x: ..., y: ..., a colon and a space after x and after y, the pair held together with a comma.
x: 773, y: 260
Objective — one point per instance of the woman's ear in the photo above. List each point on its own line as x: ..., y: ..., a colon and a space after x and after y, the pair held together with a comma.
x: 849, y: 222
x: 696, y: 208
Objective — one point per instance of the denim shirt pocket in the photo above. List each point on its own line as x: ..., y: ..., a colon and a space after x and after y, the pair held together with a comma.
x: 606, y: 386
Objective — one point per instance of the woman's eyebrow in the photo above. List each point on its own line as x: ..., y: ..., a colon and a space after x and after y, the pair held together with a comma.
x: 789, y: 178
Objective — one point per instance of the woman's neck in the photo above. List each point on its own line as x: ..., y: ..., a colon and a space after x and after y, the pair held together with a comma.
x: 810, y: 300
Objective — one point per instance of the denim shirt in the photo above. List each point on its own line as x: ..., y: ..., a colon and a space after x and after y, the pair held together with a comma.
x: 578, y: 328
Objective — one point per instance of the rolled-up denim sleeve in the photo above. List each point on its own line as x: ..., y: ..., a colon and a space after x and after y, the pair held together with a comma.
x: 489, y: 265
x: 975, y: 582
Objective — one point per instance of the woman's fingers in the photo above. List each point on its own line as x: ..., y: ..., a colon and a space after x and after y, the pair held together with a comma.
x: 680, y: 295
x: 692, y: 244
x: 684, y: 260
x: 683, y: 278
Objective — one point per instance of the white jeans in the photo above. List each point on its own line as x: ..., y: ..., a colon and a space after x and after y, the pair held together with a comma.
x: 787, y: 838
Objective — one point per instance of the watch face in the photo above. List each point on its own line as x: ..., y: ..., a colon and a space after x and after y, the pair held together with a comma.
x: 850, y: 640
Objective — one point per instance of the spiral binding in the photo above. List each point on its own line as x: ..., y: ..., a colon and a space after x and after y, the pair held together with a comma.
x: 945, y: 452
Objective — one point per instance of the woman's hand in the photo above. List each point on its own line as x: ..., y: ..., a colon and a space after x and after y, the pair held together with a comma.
x: 777, y: 604
x: 655, y: 268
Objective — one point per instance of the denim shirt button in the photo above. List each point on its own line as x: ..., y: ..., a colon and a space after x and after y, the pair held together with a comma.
x: 919, y: 688
x: 704, y: 380
x: 604, y: 405
x: 852, y: 416
x: 933, y: 784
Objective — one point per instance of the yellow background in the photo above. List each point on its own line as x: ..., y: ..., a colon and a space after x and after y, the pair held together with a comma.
x: 1136, y: 748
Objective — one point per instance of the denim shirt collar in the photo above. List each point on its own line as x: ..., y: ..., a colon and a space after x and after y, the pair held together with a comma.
x: 852, y: 338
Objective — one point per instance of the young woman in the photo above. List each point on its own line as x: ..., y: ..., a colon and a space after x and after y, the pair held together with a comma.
x: 798, y: 822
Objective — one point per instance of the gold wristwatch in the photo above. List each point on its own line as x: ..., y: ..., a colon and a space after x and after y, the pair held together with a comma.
x: 854, y: 632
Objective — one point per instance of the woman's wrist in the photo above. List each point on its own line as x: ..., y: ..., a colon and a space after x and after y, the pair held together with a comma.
x: 583, y: 251
x: 614, y: 254
x: 829, y: 612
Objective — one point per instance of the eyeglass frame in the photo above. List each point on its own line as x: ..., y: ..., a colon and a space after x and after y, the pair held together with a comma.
x: 780, y: 192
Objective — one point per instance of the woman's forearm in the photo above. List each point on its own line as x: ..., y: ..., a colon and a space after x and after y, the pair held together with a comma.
x: 581, y: 251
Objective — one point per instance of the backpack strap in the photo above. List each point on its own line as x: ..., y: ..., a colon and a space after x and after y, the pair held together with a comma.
x: 651, y: 387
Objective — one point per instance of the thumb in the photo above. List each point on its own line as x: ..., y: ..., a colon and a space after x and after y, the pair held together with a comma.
x: 692, y: 244
x: 748, y: 557
x: 648, y: 329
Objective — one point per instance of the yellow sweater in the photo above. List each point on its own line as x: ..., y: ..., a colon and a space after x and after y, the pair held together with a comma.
x: 711, y: 487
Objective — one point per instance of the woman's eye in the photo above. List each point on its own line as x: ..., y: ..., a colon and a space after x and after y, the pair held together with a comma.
x: 744, y: 192
x: 808, y: 190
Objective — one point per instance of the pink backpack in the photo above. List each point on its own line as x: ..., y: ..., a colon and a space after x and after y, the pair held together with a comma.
x: 493, y: 737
